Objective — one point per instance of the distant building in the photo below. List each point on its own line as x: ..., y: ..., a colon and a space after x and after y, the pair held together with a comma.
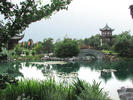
x: 106, y: 35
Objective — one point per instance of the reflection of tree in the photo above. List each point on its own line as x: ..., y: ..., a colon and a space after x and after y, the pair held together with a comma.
x: 12, y: 69
x: 124, y: 70
x: 106, y: 76
x: 96, y: 64
x: 67, y: 68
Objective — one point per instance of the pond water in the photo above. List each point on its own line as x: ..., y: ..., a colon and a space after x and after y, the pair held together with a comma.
x: 120, y: 74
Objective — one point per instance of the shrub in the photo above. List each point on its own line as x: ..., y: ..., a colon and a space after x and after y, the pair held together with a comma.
x: 33, y: 52
x: 66, y: 48
x: 27, y: 52
x: 92, y: 92
x: 18, y: 50
x: 38, y: 48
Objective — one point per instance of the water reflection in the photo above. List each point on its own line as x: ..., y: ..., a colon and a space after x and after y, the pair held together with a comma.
x: 67, y: 68
x: 11, y: 69
x: 124, y: 69
x: 105, y: 76
x: 101, y: 71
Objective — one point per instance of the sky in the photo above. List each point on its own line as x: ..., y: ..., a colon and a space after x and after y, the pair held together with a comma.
x: 83, y: 19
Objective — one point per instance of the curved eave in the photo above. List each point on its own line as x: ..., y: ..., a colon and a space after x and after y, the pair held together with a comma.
x: 106, y: 29
x: 18, y: 37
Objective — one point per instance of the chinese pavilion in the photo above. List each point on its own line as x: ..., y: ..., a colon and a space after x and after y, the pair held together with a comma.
x: 106, y: 35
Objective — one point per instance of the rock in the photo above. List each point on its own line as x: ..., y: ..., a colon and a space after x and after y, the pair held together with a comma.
x: 108, y: 70
x: 86, y: 58
x: 125, y: 93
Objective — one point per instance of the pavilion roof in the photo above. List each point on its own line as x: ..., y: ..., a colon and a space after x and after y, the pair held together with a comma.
x: 106, y: 28
x: 18, y: 37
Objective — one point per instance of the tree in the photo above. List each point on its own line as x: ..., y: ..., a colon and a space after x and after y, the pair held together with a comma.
x: 105, y: 46
x: 66, y: 48
x: 18, y: 17
x: 48, y: 45
x: 94, y: 41
x: 38, y: 49
x: 124, y: 44
x: 86, y: 41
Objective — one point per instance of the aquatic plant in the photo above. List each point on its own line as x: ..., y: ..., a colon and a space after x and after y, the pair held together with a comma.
x: 51, y: 90
x: 92, y: 92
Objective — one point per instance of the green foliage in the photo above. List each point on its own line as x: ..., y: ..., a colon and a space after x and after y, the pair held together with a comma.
x: 86, y: 41
x: 4, y: 54
x: 5, y: 80
x: 92, y: 92
x: 50, y: 90
x: 123, y: 44
x: 27, y: 52
x: 18, y: 50
x: 93, y: 41
x: 80, y: 42
x: 66, y: 48
x: 38, y: 48
x: 33, y: 52
x: 48, y: 45
x: 105, y: 46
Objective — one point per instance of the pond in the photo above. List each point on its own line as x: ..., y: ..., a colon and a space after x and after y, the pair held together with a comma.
x: 112, y: 76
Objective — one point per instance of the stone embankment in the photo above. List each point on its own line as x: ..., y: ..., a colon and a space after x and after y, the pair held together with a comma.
x: 111, y: 57
x: 125, y: 93
x: 47, y: 58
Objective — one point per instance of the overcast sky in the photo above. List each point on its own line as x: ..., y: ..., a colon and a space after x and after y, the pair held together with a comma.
x: 83, y: 19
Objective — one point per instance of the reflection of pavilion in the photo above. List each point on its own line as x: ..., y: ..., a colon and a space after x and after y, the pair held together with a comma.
x: 106, y: 75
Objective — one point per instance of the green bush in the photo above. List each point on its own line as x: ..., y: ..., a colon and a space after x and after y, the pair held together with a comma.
x: 66, y: 48
x: 27, y: 52
x: 33, y: 52
x: 18, y: 50
x: 38, y: 48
